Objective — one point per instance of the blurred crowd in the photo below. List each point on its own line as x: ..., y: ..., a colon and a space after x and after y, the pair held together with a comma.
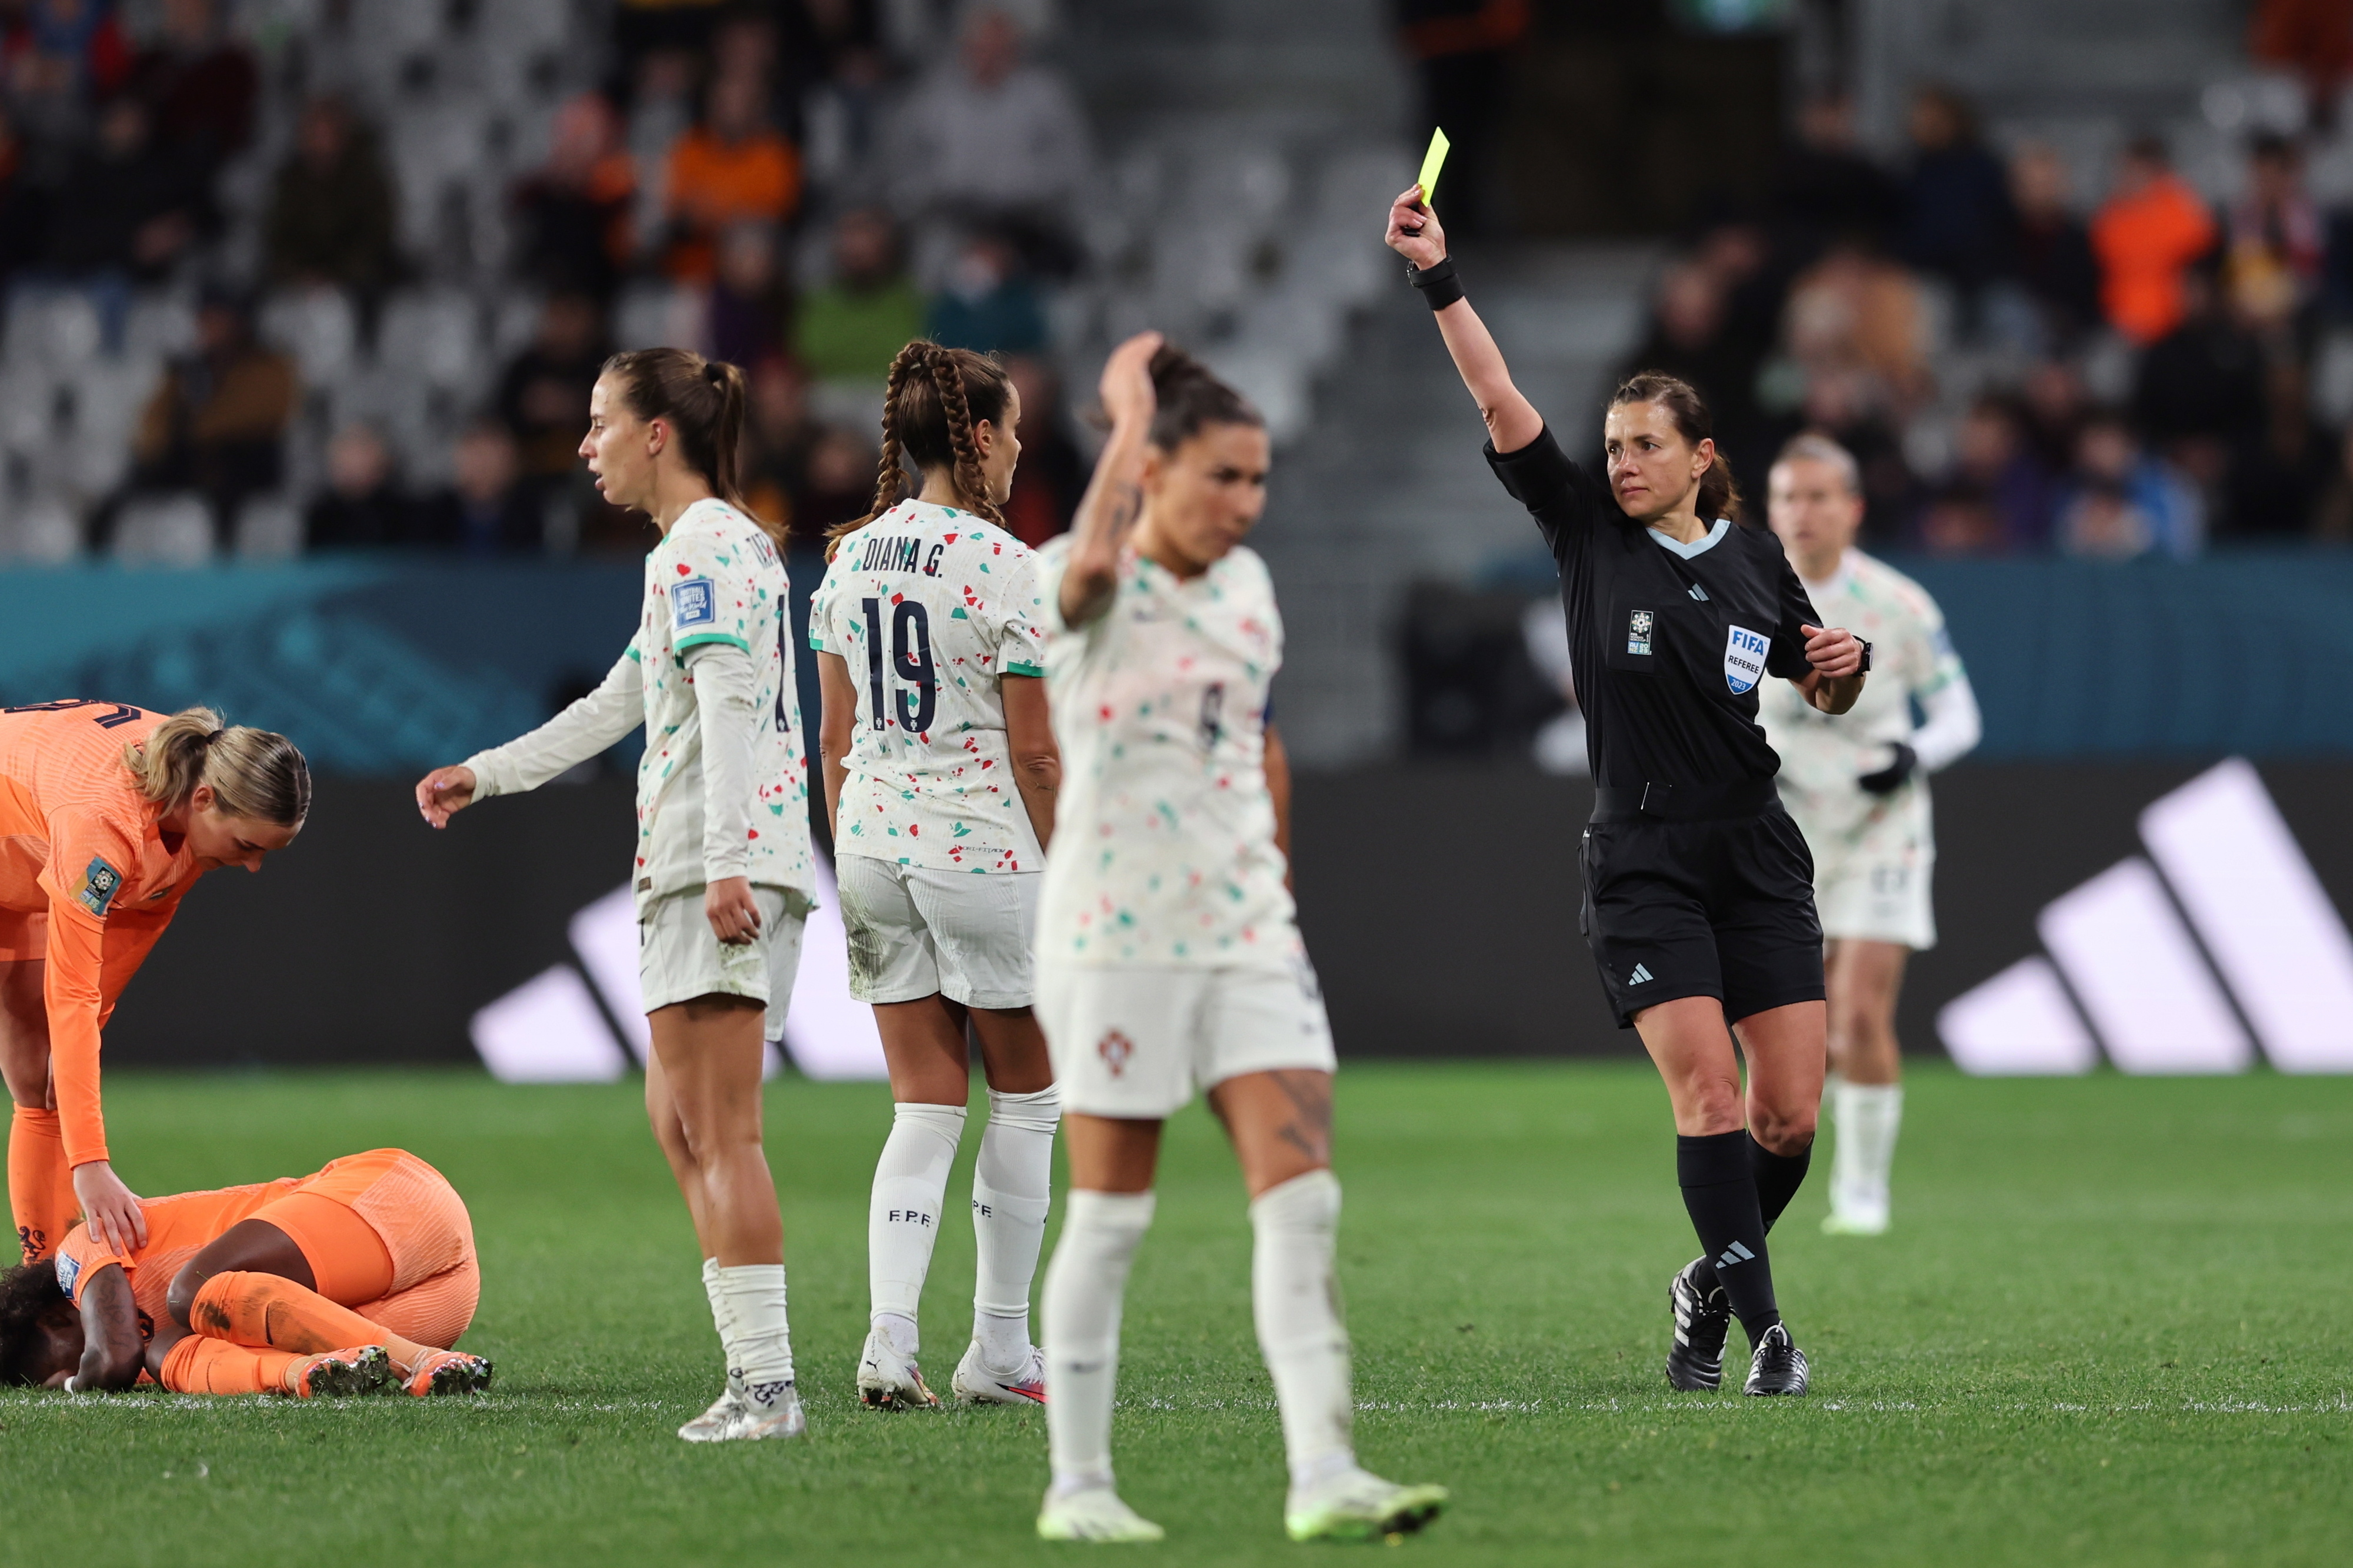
x: 795, y: 185
x: 2018, y: 371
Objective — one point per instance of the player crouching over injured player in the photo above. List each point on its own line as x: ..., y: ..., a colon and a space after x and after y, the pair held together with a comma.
x: 350, y: 1280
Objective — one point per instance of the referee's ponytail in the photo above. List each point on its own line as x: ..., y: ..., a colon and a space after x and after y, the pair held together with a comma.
x: 1719, y: 494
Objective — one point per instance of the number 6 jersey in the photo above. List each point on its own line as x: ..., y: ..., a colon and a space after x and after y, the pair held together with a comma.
x: 929, y: 606
x: 1164, y: 830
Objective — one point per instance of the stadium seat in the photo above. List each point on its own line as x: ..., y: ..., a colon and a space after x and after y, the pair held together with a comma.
x: 55, y: 327
x: 164, y: 530
x: 38, y: 528
x: 658, y: 315
x: 268, y: 528
x: 316, y: 325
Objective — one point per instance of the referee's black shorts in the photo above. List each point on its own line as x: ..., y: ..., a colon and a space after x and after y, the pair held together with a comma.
x: 1722, y: 907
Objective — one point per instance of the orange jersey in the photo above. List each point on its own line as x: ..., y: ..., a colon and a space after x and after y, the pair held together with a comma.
x: 421, y: 1220
x: 87, y: 882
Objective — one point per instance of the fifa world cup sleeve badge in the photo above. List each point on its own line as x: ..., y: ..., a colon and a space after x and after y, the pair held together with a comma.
x: 1638, y: 632
x: 98, y: 885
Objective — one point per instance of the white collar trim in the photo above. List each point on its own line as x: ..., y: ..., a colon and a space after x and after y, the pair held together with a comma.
x: 1700, y: 547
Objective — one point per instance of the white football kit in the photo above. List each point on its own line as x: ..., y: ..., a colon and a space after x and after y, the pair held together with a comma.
x: 1169, y: 955
x: 721, y: 789
x: 931, y: 606
x: 1875, y: 855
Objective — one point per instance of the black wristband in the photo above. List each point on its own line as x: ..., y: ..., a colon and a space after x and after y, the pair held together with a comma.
x: 1439, y: 285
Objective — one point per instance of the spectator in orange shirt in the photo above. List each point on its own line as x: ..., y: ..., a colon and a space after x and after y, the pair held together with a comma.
x: 107, y: 814
x: 2152, y: 227
x: 732, y: 168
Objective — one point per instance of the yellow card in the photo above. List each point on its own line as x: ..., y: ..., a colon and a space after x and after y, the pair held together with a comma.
x: 1431, y: 162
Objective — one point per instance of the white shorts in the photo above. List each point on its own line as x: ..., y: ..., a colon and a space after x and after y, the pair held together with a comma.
x: 1872, y: 882
x: 1138, y: 1041
x: 916, y: 932
x: 680, y: 958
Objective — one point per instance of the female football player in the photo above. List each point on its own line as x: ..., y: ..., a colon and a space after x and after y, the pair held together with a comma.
x: 1699, y: 903
x: 940, y: 772
x: 721, y: 874
x: 350, y: 1279
x: 1168, y: 951
x: 108, y: 816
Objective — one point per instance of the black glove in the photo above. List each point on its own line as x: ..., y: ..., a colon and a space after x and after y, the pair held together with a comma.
x: 1890, y: 779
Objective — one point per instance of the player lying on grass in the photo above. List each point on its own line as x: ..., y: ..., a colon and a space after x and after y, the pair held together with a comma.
x: 348, y: 1280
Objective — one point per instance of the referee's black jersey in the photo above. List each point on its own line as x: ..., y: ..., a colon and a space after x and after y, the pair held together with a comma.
x: 1669, y: 642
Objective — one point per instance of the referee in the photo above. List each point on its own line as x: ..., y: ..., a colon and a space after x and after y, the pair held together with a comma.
x: 1699, y: 903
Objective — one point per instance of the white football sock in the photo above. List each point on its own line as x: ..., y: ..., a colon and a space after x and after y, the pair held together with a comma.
x: 1867, y: 1118
x: 1085, y: 1285
x: 760, y: 1341
x: 718, y: 1301
x: 1010, y: 1184
x: 902, y: 1219
x: 1295, y: 1299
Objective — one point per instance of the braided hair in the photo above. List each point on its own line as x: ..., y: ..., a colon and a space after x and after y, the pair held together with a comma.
x: 933, y: 398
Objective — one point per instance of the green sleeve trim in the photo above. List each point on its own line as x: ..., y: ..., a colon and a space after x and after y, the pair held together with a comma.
x: 632, y: 651
x: 1023, y: 670
x: 817, y: 644
x: 700, y: 638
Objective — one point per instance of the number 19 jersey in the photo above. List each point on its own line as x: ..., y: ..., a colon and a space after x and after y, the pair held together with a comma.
x: 930, y: 607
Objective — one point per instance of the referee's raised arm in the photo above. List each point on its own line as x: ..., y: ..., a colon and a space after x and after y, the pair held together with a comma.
x: 1415, y: 234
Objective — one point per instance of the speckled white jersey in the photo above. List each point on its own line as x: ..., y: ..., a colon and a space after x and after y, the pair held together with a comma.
x: 1911, y: 657
x: 717, y: 578
x: 929, y: 606
x: 1163, y: 838
x: 1873, y: 854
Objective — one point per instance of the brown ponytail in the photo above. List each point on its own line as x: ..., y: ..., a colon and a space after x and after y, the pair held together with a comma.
x: 254, y: 773
x: 1719, y: 492
x: 933, y: 398
x: 703, y: 400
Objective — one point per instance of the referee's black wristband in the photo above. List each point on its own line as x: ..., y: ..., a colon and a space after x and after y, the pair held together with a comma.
x: 1439, y: 285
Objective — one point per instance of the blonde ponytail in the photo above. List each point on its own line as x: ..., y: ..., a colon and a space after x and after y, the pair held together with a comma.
x: 254, y: 773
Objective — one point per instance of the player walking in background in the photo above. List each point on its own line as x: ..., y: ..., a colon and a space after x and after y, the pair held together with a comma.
x: 722, y: 873
x: 108, y: 816
x: 1169, y: 956
x: 1857, y: 783
x: 354, y: 1279
x: 940, y: 772
x: 1698, y: 890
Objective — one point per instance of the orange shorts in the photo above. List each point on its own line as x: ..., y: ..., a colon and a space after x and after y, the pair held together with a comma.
x: 24, y: 933
x: 386, y: 1235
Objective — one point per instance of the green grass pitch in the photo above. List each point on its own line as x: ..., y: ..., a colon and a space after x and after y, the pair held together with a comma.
x: 2110, y: 1329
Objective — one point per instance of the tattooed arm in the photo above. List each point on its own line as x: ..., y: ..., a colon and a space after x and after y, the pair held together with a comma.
x: 1114, y: 498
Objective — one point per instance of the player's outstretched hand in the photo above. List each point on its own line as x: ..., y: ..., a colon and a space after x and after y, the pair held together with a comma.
x: 444, y: 792
x: 1414, y: 232
x: 110, y: 1209
x: 727, y: 905
x: 1834, y: 652
x: 1127, y: 386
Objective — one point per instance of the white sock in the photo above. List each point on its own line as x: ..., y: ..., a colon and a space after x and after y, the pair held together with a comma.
x: 760, y: 1341
x: 719, y: 1305
x: 1010, y: 1184
x: 902, y: 1219
x: 1295, y: 1299
x: 1867, y: 1117
x: 1085, y: 1284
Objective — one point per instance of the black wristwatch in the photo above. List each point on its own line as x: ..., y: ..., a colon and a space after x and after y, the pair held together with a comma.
x: 1439, y: 285
x: 1866, y: 656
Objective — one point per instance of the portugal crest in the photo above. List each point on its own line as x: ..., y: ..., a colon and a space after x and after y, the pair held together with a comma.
x: 1116, y: 1048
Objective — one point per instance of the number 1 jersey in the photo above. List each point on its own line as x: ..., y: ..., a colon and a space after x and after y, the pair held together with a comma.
x: 930, y: 607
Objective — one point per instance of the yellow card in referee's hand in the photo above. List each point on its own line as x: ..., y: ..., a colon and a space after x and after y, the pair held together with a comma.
x: 1431, y: 162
